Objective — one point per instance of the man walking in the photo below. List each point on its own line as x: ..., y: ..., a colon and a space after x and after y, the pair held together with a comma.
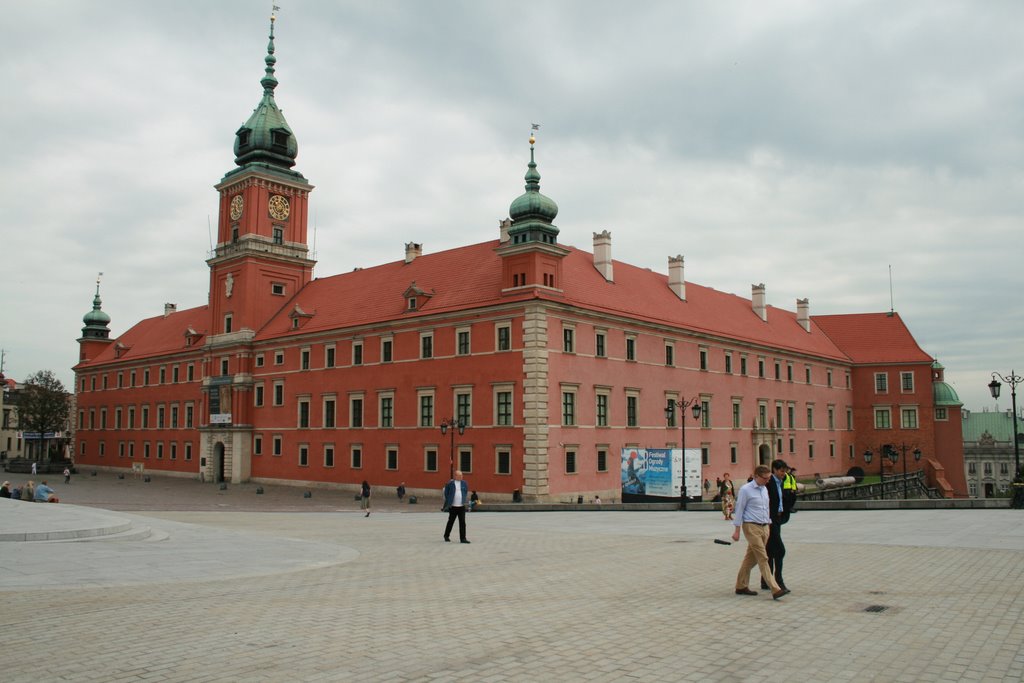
x: 752, y: 516
x: 775, y: 548
x: 456, y: 496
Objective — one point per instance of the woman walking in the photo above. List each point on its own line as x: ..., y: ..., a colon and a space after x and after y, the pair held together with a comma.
x: 728, y: 494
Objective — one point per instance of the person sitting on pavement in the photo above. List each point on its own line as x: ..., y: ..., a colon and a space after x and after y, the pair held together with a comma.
x: 44, y: 494
x: 474, y: 500
x: 5, y: 490
x: 28, y: 491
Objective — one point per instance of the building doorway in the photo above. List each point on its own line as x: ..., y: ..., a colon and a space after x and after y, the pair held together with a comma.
x: 218, y: 463
x: 990, y: 490
x: 764, y: 454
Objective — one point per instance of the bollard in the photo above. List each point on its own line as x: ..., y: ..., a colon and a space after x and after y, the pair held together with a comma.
x: 259, y: 490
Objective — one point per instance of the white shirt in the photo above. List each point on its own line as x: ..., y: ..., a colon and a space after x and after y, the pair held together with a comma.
x: 457, y: 497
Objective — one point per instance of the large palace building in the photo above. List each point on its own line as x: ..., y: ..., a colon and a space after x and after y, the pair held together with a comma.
x: 551, y: 359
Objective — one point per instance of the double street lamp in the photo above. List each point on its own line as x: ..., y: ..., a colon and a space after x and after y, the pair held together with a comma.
x: 885, y: 451
x: 670, y: 412
x: 994, y: 386
x: 903, y: 448
x: 451, y: 424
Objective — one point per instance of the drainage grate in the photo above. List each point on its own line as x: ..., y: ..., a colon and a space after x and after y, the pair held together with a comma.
x: 876, y: 608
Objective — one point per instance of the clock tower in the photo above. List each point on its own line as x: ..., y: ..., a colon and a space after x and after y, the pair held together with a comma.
x: 261, y: 258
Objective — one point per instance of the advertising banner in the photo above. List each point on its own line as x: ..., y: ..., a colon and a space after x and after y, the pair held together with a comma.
x: 657, y: 473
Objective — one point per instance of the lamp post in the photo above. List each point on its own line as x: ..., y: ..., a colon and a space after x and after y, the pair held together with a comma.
x: 883, y: 451
x: 670, y: 411
x: 1017, y: 501
x: 903, y: 448
x: 451, y: 424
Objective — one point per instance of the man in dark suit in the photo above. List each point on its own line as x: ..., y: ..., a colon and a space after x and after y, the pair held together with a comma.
x: 775, y: 548
x: 456, y: 498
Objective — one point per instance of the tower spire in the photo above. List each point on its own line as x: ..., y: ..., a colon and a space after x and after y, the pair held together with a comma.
x: 269, y: 81
x: 532, y: 213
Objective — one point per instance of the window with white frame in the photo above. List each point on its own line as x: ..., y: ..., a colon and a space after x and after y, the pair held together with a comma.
x: 908, y: 417
x: 881, y: 383
x: 426, y: 344
x: 883, y: 418
x: 426, y: 404
x: 907, y: 382
x: 503, y: 336
x: 568, y: 406
x: 462, y: 341
x: 503, y: 460
x: 503, y: 405
x: 387, y: 409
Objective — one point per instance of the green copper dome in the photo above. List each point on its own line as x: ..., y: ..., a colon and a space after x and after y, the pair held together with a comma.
x: 945, y: 395
x: 96, y: 320
x: 266, y: 139
x: 531, y: 212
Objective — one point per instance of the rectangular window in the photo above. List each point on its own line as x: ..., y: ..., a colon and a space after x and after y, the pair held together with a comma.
x: 828, y: 377
x: 160, y: 450
x: 259, y: 360
x: 670, y: 355
x: 131, y: 449
x: 163, y: 376
x: 227, y: 324
x: 762, y: 416
x: 810, y: 417
x: 462, y: 342
x: 705, y: 413
x: 224, y: 366
x: 466, y: 460
x: 278, y: 445
x: 743, y: 365
x: 882, y: 418
x: 355, y: 412
x: 426, y: 410
x: 330, y: 413
x: 736, y: 416
x: 630, y: 348
x: 732, y: 453
x: 303, y: 455
x: 304, y: 359
x: 131, y: 380
x: 778, y: 370
x: 131, y: 417
x: 174, y: 450
x: 279, y: 392
x: 807, y: 374
x: 277, y: 288
x: 705, y: 454
x: 778, y: 415
x: 303, y: 414
x: 117, y: 419
x: 174, y: 375
x: 257, y: 445
x: 831, y: 417
x: 810, y: 451
x: 907, y: 382
x: 504, y: 408
x: 427, y: 345
x: 570, y: 462
x: 568, y: 408
x: 278, y: 357
x: 791, y: 416
x: 881, y: 383
x: 392, y: 458
x: 503, y: 464
x: 145, y: 417
x: 599, y: 345
x: 703, y: 359
x: 760, y: 368
x: 328, y: 456
x: 602, y: 460
x: 174, y: 417
x: 568, y: 339
x: 631, y: 411
x: 504, y: 337
x: 356, y: 457
x: 329, y: 358
x: 463, y: 405
x: 387, y: 411
x: 728, y: 363
x: 357, y: 353
x: 792, y: 445
x: 602, y: 410
x: 385, y: 350
x: 430, y: 460
x: 257, y: 395
x: 908, y: 418
x: 940, y: 414
x: 145, y: 378
x: 190, y: 374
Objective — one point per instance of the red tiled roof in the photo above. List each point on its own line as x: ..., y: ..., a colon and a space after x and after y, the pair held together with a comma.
x: 873, y: 337
x: 156, y: 336
x: 470, y: 276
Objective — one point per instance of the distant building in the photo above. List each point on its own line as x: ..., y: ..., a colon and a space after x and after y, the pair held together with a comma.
x: 10, y: 437
x: 988, y: 452
x: 554, y: 359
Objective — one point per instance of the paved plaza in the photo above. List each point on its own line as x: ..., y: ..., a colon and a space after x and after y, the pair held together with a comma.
x: 173, y: 580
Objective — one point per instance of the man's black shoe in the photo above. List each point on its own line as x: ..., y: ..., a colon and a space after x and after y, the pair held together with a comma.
x: 745, y: 591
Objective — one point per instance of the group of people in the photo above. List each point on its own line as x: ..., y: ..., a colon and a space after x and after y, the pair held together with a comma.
x: 763, y: 505
x: 30, y: 492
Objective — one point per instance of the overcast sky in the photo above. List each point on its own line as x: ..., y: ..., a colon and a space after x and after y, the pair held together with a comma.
x: 806, y: 145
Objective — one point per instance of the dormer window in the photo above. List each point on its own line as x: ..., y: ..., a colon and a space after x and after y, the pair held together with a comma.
x: 279, y: 138
x: 299, y: 317
x: 243, y: 137
x: 412, y: 303
x: 415, y: 297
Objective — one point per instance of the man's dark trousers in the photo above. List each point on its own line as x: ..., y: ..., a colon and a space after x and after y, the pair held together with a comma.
x: 453, y: 512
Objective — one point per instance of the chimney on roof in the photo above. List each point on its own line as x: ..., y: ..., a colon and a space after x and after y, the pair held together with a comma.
x: 603, y: 254
x: 676, y: 280
x: 412, y: 250
x: 757, y: 300
x: 170, y: 308
x: 803, y: 311
x: 503, y: 226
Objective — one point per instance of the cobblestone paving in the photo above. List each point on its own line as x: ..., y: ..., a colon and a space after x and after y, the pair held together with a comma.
x: 562, y: 596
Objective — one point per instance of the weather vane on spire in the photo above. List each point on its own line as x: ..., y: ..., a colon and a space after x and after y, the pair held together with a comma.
x: 533, y: 127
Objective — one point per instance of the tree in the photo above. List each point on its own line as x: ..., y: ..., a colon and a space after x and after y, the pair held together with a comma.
x: 44, y: 405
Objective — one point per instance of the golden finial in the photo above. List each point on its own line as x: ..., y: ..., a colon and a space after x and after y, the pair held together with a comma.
x: 533, y: 127
x: 274, y: 9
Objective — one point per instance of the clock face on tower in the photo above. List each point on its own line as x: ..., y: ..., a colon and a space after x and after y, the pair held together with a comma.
x: 278, y: 207
x: 237, y: 203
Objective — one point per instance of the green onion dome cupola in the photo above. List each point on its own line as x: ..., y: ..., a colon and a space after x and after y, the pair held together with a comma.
x: 942, y: 393
x: 265, y: 139
x: 96, y: 320
x: 532, y: 213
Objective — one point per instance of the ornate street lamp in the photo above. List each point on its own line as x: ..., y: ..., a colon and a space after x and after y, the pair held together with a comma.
x: 451, y: 424
x: 1017, y: 501
x: 670, y: 411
